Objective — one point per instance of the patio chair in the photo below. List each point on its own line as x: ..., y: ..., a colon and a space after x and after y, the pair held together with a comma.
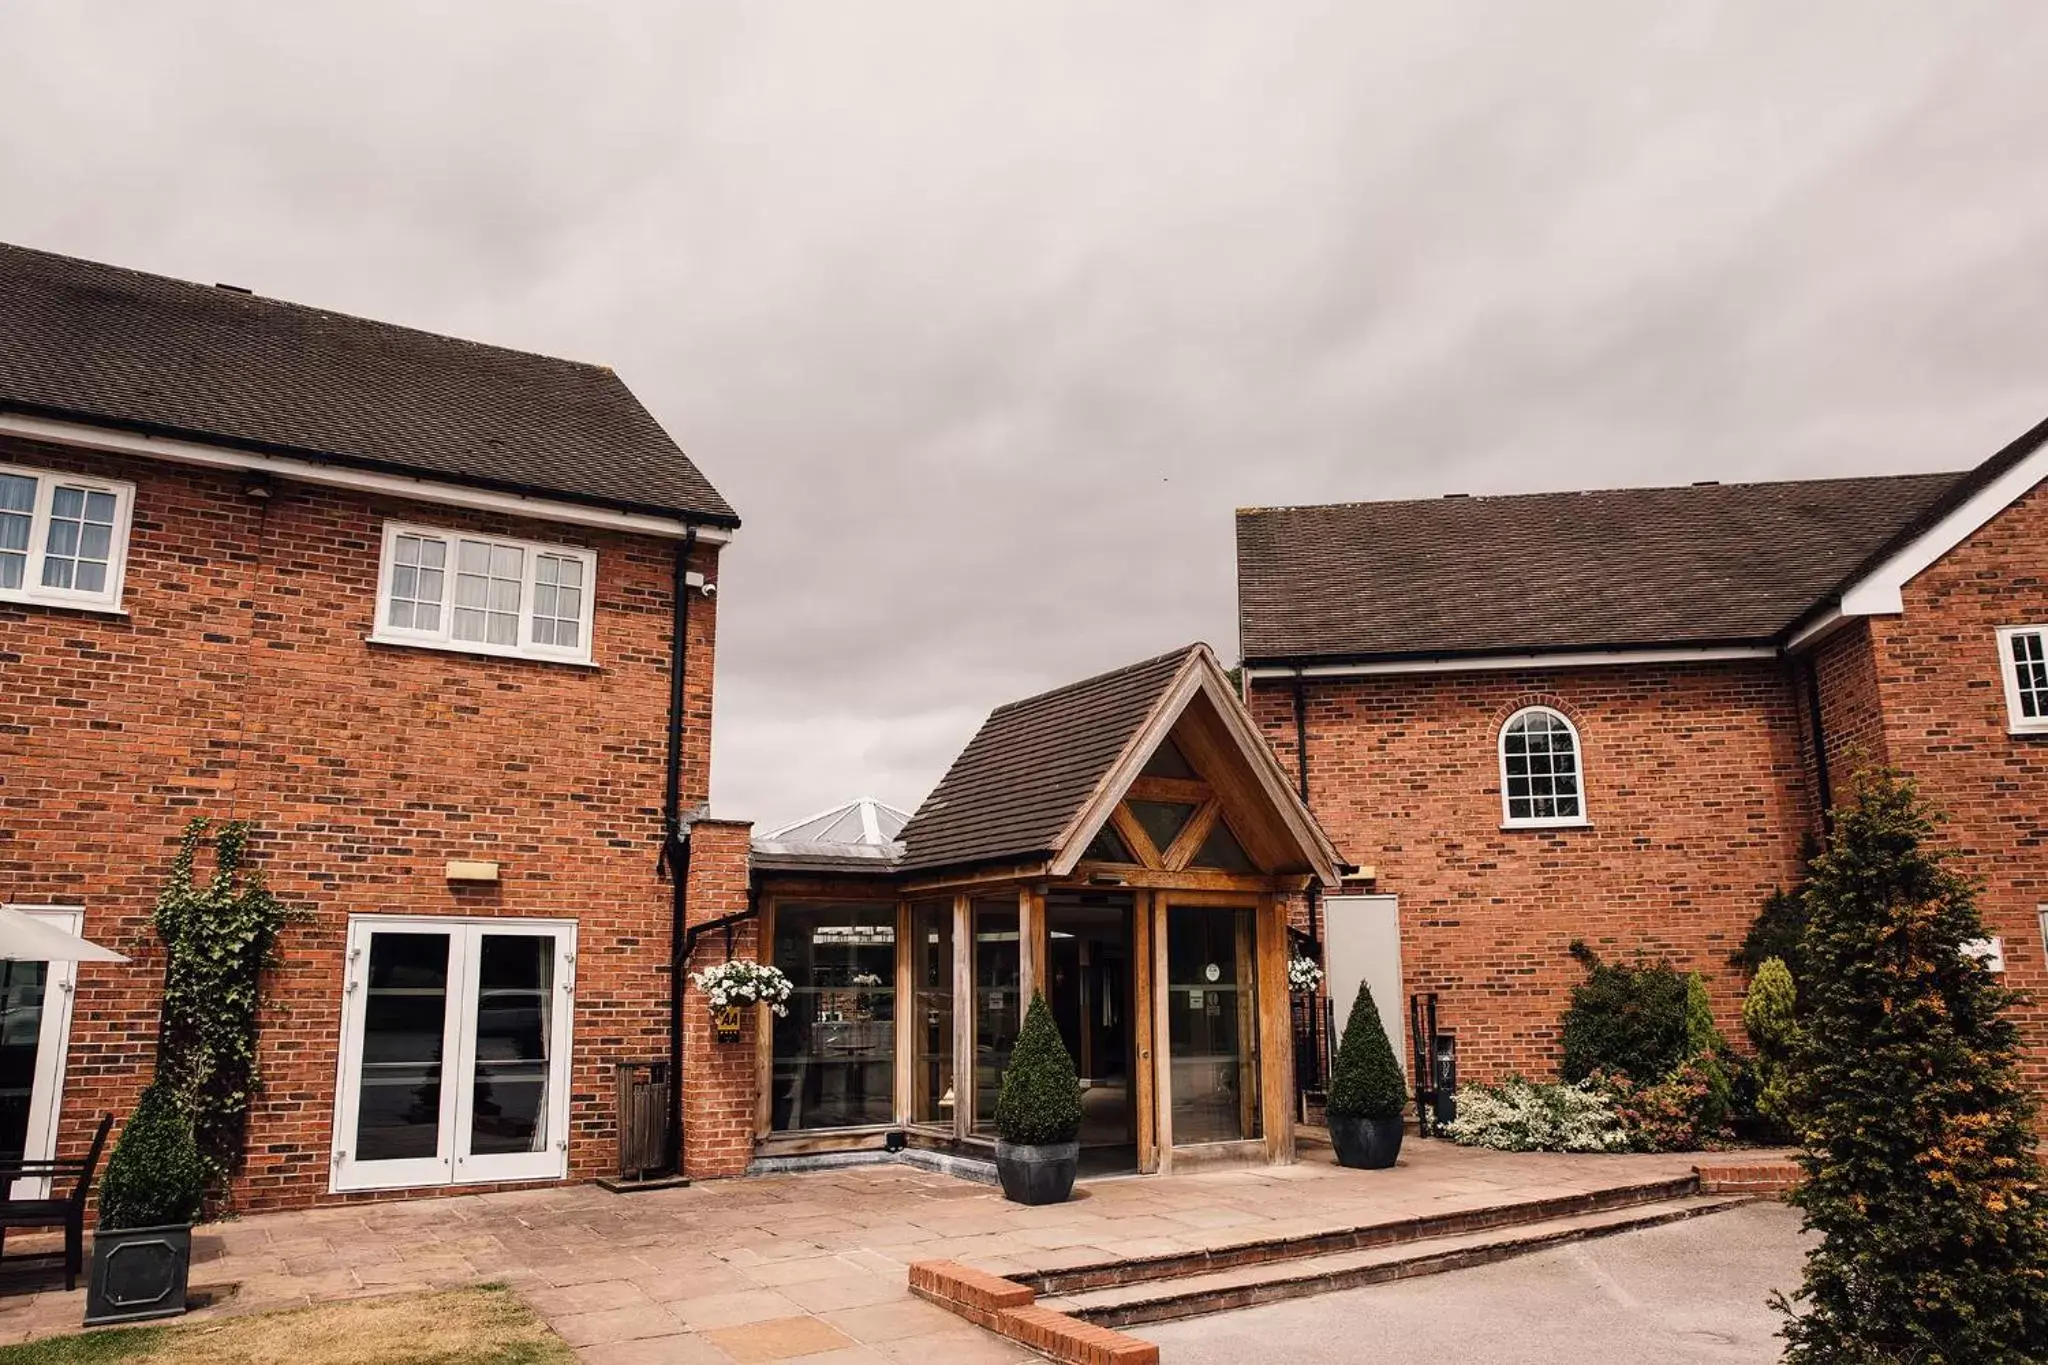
x: 68, y: 1212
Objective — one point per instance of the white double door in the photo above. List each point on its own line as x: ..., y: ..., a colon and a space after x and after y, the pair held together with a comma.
x: 454, y: 1052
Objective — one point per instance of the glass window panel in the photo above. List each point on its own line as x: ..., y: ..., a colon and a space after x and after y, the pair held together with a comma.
x: 506, y: 562
x: 504, y: 629
x: 17, y: 493
x: 569, y: 634
x: 1220, y: 849
x: 96, y: 541
x: 834, y: 1051
x: 1212, y: 1023
x: 433, y: 554
x: 92, y: 576
x: 1109, y: 847
x: 469, y: 625
x: 933, y: 1093
x: 401, y: 614
x: 398, y: 1113
x: 474, y: 557
x: 405, y: 582
x: 514, y: 1036
x: 543, y: 630
x: 504, y: 595
x: 427, y: 616
x: 544, y: 571
x: 63, y: 538
x: 571, y: 573
x: 57, y: 572
x: 68, y: 502
x: 1162, y: 821
x: 2030, y: 672
x: 544, y: 599
x: 99, y: 506
x: 998, y: 1008
x: 1539, y: 767
x: 21, y: 1024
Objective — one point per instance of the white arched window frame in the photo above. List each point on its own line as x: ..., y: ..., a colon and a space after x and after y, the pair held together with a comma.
x: 1542, y: 770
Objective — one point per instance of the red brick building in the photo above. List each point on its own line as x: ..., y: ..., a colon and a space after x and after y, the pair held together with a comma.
x: 437, y: 618
x: 1617, y: 716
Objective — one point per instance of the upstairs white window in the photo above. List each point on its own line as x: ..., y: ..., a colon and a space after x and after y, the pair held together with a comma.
x: 484, y: 594
x: 1540, y: 778
x: 63, y: 538
x: 2023, y: 652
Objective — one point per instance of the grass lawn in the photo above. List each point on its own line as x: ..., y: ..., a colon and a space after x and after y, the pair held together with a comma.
x: 487, y: 1326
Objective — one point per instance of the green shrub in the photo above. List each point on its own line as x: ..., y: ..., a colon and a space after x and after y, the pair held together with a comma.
x: 1685, y: 1111
x: 1631, y: 1020
x: 1767, y: 1016
x: 1521, y: 1116
x: 155, y: 1176
x: 1040, y: 1103
x: 1920, y: 1172
x: 1365, y: 1080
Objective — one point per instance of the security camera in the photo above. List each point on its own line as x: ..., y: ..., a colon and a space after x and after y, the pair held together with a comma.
x: 710, y: 590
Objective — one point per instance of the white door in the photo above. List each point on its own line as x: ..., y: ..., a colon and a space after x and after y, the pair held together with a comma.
x: 454, y: 1052
x: 1362, y: 943
x: 35, y: 1031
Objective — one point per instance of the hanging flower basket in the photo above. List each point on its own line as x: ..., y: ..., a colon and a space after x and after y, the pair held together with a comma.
x: 741, y: 982
x: 1304, y: 977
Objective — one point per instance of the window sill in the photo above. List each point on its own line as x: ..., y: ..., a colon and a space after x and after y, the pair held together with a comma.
x: 25, y: 599
x: 482, y: 651
x: 1539, y: 826
x: 2021, y: 731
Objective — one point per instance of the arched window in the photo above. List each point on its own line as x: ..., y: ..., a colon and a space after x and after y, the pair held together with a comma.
x: 1541, y: 782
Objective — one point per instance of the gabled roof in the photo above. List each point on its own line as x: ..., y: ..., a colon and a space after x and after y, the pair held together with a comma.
x: 1042, y: 775
x: 1707, y: 565
x: 95, y: 343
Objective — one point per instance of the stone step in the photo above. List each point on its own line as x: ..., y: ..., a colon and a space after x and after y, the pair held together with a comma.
x: 1268, y: 1281
x: 1181, y: 1265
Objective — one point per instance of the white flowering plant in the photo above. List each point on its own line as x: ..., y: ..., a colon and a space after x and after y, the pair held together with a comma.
x: 743, y: 982
x: 1304, y: 977
x: 1523, y: 1116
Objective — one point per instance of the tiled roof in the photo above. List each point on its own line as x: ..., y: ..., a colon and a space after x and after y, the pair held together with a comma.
x: 97, y: 343
x: 1033, y: 765
x: 1630, y: 568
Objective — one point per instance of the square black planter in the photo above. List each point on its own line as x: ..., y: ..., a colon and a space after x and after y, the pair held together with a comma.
x: 138, y: 1273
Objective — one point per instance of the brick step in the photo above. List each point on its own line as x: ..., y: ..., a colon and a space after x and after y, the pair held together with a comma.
x: 1292, y: 1277
x: 1182, y: 1265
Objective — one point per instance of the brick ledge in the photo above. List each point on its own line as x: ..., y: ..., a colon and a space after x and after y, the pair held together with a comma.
x: 1011, y: 1310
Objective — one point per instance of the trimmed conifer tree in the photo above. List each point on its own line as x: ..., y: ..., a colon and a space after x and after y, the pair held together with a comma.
x: 1366, y: 1080
x: 1040, y: 1102
x: 1919, y: 1169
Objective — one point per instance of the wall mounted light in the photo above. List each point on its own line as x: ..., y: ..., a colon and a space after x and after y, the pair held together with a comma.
x: 470, y: 870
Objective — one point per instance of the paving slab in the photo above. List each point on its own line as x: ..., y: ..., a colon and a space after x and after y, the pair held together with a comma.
x: 660, y: 1275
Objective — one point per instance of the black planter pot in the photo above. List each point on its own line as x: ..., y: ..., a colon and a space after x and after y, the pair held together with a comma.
x: 1365, y: 1144
x: 1038, y: 1174
x: 138, y: 1273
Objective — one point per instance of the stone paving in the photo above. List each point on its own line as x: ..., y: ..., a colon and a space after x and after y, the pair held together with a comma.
x: 807, y: 1267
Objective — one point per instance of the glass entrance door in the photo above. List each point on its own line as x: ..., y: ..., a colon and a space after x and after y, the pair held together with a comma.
x: 35, y: 1024
x: 1212, y: 1023
x: 455, y: 1052
x: 1089, y: 986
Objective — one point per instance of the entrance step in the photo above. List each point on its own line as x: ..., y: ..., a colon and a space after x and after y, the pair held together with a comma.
x: 1289, y: 1274
x: 1178, y: 1265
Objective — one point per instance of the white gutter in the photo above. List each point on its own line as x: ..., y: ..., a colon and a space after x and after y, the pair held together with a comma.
x: 87, y: 437
x: 1582, y: 659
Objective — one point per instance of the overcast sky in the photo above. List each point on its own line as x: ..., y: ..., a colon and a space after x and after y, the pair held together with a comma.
x: 986, y: 317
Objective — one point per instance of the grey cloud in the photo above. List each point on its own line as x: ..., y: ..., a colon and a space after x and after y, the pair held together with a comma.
x: 986, y: 317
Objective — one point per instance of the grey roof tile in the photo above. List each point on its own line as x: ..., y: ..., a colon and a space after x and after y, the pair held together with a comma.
x: 102, y: 344
x: 1701, y: 565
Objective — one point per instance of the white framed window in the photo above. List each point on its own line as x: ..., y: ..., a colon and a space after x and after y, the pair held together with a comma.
x: 63, y: 538
x: 2023, y: 663
x: 484, y: 594
x: 455, y: 1043
x: 1542, y: 782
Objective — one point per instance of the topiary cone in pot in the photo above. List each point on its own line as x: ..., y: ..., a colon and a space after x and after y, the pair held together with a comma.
x: 155, y: 1184
x: 1367, y: 1091
x: 1038, y: 1114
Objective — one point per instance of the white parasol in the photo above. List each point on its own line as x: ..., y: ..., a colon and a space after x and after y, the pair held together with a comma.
x: 24, y: 938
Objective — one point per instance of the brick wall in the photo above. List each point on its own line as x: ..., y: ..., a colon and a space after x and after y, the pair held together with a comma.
x: 1697, y: 795
x: 239, y: 684
x: 1937, y: 671
x: 720, y: 1084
